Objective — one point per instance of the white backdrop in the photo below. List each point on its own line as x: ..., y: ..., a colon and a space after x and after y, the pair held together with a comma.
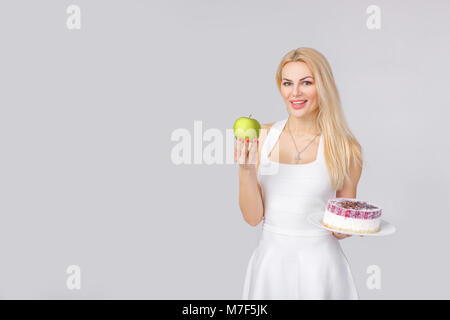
x: 87, y: 116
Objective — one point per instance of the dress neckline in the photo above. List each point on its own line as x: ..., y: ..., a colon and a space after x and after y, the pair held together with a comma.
x: 280, y: 126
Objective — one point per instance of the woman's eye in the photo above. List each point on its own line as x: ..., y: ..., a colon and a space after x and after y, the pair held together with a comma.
x: 288, y: 83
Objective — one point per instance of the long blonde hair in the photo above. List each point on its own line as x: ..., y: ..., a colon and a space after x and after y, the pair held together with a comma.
x: 340, y: 146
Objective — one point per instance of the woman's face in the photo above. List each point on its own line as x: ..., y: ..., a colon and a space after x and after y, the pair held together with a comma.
x: 297, y: 83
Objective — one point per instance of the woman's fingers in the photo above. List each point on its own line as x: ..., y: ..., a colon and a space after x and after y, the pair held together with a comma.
x: 253, y: 152
x: 239, y: 145
x: 237, y: 150
x: 246, y: 151
x: 341, y: 235
x: 242, y: 153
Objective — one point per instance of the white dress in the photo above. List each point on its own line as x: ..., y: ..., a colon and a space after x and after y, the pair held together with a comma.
x: 295, y: 259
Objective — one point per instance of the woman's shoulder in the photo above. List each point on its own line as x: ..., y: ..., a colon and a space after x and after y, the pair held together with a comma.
x: 265, y: 128
x: 267, y: 125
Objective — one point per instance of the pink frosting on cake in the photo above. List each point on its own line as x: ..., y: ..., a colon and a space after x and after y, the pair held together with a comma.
x: 353, y: 208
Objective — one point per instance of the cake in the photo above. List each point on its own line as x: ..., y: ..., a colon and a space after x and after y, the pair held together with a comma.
x: 352, y: 215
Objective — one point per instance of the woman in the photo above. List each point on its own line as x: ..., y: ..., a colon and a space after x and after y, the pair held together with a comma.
x: 301, y: 162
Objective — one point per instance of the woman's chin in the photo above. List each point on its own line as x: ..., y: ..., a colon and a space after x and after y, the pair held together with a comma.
x: 297, y: 112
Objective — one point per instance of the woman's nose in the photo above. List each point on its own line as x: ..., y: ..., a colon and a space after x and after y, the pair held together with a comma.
x: 296, y: 91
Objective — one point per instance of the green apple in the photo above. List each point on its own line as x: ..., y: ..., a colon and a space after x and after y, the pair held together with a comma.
x: 246, y: 128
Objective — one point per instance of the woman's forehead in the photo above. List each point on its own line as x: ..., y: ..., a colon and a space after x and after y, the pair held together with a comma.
x: 296, y: 70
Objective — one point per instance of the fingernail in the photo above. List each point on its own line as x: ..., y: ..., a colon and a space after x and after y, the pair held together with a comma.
x: 240, y: 139
x: 254, y: 141
x: 247, y: 140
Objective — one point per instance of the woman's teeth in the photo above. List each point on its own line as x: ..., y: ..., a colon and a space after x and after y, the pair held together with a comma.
x: 298, y: 104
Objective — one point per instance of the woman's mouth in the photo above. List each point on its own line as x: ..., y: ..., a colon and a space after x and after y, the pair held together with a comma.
x: 298, y: 104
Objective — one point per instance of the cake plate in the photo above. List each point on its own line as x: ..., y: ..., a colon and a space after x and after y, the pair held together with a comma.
x: 385, y: 227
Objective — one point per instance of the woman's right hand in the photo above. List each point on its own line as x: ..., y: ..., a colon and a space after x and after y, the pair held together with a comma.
x: 246, y: 153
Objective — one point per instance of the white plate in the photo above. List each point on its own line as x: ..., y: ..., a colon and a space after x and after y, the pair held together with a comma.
x: 385, y: 227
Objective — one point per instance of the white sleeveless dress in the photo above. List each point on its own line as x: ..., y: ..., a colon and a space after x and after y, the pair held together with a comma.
x: 295, y: 259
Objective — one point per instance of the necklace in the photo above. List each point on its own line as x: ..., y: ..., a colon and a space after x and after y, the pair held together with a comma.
x: 297, y: 158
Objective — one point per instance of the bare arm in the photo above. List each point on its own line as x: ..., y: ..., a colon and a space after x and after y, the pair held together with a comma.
x: 349, y: 190
x: 250, y: 199
x: 250, y: 196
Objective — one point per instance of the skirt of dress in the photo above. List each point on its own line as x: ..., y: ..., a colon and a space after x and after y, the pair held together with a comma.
x: 285, y: 267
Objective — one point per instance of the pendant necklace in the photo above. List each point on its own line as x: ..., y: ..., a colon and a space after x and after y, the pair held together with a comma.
x: 297, y: 158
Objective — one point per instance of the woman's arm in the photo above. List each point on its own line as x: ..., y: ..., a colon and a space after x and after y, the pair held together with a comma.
x: 350, y: 185
x: 349, y: 190
x: 250, y: 195
x: 250, y: 199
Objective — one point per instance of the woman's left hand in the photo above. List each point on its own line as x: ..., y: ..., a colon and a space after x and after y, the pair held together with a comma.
x: 341, y: 235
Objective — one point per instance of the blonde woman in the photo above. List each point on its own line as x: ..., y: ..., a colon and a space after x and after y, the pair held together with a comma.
x: 291, y: 171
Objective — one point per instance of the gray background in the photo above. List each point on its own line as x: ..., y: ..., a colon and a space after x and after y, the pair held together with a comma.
x: 86, y: 118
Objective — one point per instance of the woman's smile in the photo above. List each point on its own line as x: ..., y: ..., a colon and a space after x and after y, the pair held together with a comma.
x: 298, y: 104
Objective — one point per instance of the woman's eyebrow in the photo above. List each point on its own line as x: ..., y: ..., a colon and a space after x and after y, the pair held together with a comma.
x: 300, y: 79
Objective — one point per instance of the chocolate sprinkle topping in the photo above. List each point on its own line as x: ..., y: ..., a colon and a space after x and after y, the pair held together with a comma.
x: 355, y: 205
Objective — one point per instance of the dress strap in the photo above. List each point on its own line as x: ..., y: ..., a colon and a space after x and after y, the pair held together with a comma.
x: 272, y: 138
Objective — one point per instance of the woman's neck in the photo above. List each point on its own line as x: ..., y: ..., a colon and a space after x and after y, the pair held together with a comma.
x: 302, y: 127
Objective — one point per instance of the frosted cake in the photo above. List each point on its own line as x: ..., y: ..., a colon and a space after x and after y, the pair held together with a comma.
x: 352, y: 215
